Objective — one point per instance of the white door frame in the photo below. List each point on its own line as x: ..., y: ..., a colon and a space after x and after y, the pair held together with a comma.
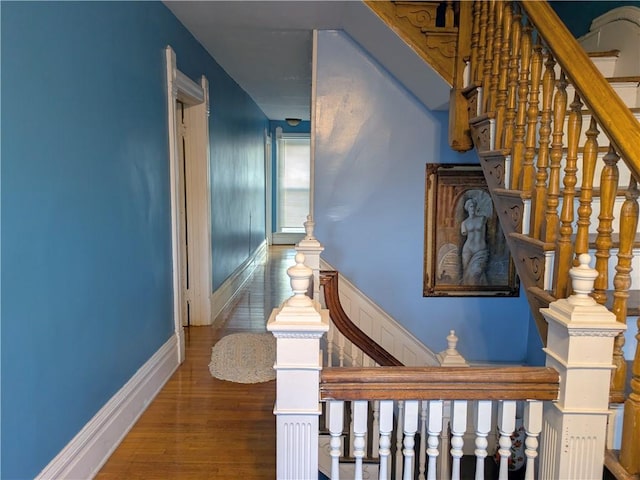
x: 268, y: 200
x: 196, y: 98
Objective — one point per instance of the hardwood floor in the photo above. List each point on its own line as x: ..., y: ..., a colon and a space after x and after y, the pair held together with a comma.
x: 199, y: 427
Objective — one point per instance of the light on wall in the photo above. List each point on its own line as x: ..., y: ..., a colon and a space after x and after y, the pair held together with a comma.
x: 293, y: 122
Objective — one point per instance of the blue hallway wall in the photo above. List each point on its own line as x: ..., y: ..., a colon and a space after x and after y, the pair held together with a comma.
x: 373, y: 140
x: 86, y: 230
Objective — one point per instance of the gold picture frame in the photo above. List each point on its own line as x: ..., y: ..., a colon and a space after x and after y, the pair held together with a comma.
x: 465, y: 251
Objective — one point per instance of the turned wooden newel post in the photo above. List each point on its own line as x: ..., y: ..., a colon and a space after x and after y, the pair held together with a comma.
x: 580, y: 348
x: 298, y: 326
x: 311, y: 248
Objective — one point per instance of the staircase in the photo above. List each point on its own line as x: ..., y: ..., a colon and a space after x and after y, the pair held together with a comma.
x: 557, y: 135
x: 556, y: 132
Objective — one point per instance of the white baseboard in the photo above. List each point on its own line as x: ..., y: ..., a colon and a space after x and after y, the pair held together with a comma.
x: 380, y: 326
x: 85, y: 454
x: 229, y: 289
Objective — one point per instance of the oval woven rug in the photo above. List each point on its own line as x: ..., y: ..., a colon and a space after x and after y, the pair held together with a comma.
x: 244, y: 358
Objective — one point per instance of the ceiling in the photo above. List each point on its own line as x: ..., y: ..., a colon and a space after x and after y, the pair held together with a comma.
x: 266, y: 47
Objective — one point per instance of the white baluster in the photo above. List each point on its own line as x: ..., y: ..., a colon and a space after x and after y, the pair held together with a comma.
x: 336, y: 424
x: 352, y: 416
x: 458, y: 427
x: 434, y: 429
x: 399, y: 440
x: 532, y: 426
x: 375, y: 439
x: 506, y: 426
x: 359, y: 432
x: 483, y: 426
x: 410, y: 426
x: 386, y: 426
x: 423, y: 441
x: 330, y: 340
x: 341, y: 340
x: 444, y: 463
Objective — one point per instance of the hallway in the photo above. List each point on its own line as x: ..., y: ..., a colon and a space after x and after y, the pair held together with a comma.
x: 199, y: 427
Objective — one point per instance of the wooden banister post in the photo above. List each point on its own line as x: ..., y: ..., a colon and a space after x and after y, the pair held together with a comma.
x: 298, y: 326
x: 311, y: 248
x: 579, y: 347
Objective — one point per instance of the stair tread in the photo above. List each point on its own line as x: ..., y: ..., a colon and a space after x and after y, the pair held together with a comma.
x: 605, y: 53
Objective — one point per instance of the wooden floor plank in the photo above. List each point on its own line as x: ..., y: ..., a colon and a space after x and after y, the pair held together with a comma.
x: 199, y: 427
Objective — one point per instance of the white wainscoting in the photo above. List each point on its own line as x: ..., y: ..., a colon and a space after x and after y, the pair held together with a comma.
x: 85, y: 454
x: 380, y: 326
x: 229, y: 289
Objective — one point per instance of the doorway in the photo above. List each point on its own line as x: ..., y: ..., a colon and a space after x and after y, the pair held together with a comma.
x: 188, y: 114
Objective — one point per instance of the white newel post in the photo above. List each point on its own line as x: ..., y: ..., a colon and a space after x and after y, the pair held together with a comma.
x: 311, y: 248
x: 580, y: 348
x: 298, y: 326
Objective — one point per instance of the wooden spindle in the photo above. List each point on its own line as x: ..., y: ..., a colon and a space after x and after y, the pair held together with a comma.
x: 608, y: 190
x: 336, y: 424
x: 506, y: 426
x: 538, y: 201
x: 517, y: 153
x: 475, y: 40
x: 630, y: 447
x: 488, y: 59
x: 564, y: 247
x: 449, y: 15
x: 490, y: 106
x: 528, y: 170
x: 359, y: 433
x: 483, y: 426
x: 533, y: 427
x: 386, y: 427
x: 410, y: 426
x: 501, y: 95
x: 512, y: 82
x: 458, y: 427
x: 482, y: 43
x: 552, y: 219
x: 622, y: 284
x: 589, y: 159
x: 433, y: 430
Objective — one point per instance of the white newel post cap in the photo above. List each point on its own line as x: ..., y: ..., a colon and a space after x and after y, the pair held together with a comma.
x: 582, y: 278
x: 299, y: 275
x: 451, y: 357
x: 309, y: 244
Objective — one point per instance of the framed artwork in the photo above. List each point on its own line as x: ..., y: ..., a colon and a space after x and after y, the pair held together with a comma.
x: 465, y: 251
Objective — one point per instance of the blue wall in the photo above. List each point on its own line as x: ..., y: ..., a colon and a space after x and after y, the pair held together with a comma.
x: 372, y: 143
x: 86, y: 249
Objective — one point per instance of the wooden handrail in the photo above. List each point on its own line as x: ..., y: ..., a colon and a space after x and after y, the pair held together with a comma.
x: 614, y: 116
x: 436, y: 383
x: 329, y: 280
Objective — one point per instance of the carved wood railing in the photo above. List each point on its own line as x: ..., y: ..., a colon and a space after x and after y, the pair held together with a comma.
x: 329, y: 282
x: 419, y: 395
x: 547, y: 164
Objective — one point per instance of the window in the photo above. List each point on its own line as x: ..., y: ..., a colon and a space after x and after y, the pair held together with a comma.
x: 294, y: 175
